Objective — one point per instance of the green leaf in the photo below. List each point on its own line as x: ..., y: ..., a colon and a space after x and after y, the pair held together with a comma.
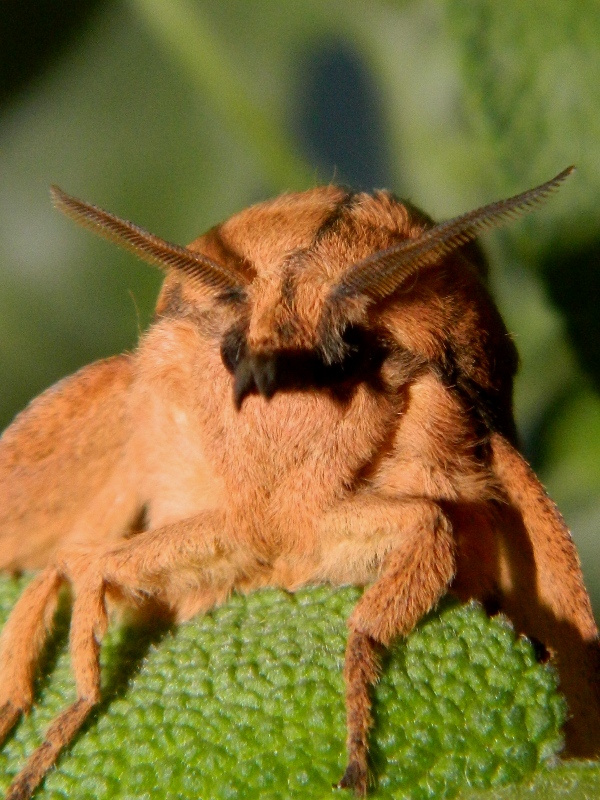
x: 248, y: 701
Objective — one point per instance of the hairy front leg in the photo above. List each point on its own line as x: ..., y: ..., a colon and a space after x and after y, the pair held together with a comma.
x: 22, y: 640
x: 149, y: 565
x: 410, y: 545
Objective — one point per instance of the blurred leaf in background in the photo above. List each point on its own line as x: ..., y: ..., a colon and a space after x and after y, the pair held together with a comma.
x: 176, y: 114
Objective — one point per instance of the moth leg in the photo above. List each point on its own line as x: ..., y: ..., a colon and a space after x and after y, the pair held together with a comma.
x: 416, y: 572
x: 170, y: 563
x: 21, y: 643
x: 361, y: 670
x: 146, y: 566
x: 544, y: 594
x: 88, y: 624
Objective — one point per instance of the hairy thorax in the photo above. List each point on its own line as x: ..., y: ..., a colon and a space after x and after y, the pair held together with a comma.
x: 271, y: 463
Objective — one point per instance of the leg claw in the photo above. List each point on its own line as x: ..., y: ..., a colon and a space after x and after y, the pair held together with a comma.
x: 355, y: 777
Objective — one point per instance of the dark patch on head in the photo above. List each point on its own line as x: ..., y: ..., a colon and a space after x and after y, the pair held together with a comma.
x: 491, y: 405
x: 286, y: 331
x: 294, y: 369
x: 215, y: 247
x: 234, y: 296
x: 330, y: 331
x: 175, y: 306
x: 331, y: 223
x: 288, y: 287
x: 234, y: 347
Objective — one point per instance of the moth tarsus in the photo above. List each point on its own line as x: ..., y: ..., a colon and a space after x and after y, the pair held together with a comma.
x: 325, y: 396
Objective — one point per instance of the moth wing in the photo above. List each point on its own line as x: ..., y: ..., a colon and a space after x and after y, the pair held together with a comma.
x: 61, y: 466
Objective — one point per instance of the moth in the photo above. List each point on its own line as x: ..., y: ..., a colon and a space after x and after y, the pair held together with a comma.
x: 324, y: 396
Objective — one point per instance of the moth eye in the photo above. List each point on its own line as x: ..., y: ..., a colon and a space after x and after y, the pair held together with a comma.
x: 233, y: 349
x: 364, y: 351
x: 354, y: 338
x: 359, y: 341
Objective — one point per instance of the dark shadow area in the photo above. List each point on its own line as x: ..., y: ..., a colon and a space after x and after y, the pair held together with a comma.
x: 504, y: 556
x: 126, y: 657
x: 339, y: 120
x: 295, y: 370
x: 56, y: 644
x: 33, y: 33
x: 126, y: 660
x: 572, y: 275
x: 136, y: 640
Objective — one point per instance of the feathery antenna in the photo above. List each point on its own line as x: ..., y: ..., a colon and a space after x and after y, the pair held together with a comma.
x: 202, y: 271
x: 382, y: 273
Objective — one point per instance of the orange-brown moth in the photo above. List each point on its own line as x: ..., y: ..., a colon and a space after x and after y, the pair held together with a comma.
x: 324, y: 396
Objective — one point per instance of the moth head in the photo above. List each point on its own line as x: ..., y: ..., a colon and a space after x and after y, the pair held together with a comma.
x: 243, y: 270
x: 300, y: 276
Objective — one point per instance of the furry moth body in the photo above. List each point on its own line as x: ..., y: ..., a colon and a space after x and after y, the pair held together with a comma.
x: 324, y: 396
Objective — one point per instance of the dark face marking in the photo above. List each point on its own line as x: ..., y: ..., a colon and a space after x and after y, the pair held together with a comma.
x: 215, y: 246
x: 175, y: 306
x: 288, y: 288
x: 233, y: 347
x: 294, y: 369
x: 330, y: 225
x: 235, y: 296
x: 492, y: 405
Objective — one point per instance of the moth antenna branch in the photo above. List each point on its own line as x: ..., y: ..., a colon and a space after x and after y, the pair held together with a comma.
x: 198, y: 269
x: 384, y: 272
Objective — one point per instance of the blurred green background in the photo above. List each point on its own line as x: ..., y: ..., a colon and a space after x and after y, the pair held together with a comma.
x: 175, y: 114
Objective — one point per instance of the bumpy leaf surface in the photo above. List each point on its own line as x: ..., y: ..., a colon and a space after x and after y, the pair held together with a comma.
x: 248, y: 702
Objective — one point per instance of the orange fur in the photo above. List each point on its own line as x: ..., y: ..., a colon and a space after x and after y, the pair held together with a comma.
x: 282, y: 425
